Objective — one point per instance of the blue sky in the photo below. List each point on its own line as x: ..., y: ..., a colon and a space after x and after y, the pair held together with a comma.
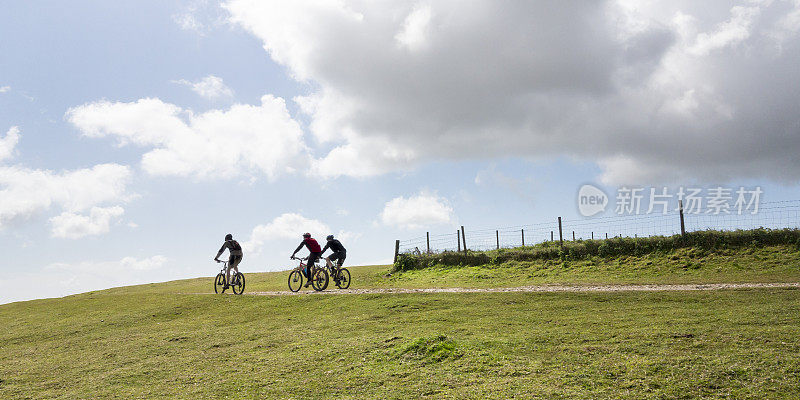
x: 381, y: 121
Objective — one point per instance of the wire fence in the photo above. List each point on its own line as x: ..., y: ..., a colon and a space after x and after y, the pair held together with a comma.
x: 772, y: 215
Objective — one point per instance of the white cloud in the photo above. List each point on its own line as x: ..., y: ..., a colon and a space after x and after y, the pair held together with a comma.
x: 210, y: 87
x: 424, y: 209
x: 74, y: 226
x: 285, y: 226
x: 4, y: 89
x: 244, y: 140
x: 685, y: 89
x: 199, y: 16
x: 25, y: 192
x: 28, y: 191
x: 287, y: 230
x: 415, y: 28
x: 8, y: 143
x: 188, y: 22
x: 145, y: 264
x: 737, y: 29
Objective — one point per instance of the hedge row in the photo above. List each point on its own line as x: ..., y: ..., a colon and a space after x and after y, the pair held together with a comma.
x: 581, y: 249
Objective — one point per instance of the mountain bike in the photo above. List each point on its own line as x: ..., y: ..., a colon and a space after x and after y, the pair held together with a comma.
x: 319, y: 277
x: 340, y: 275
x: 221, y: 283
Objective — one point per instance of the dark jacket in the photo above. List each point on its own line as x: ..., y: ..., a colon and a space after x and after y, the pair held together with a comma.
x: 232, y: 246
x: 335, y: 245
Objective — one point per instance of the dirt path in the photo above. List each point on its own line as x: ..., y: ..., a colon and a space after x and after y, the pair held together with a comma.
x: 542, y: 288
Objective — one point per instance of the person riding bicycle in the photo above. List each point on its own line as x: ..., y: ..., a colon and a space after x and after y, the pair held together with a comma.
x: 314, y: 252
x: 339, y: 252
x: 235, y: 256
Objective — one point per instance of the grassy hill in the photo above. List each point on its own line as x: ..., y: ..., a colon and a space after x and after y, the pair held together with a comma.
x: 175, y: 340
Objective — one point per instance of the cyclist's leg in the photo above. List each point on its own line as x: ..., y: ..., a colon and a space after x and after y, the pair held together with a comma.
x: 341, y: 257
x: 234, y: 263
x: 312, y: 259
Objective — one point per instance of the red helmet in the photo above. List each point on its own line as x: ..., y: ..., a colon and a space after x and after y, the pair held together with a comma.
x: 306, y: 235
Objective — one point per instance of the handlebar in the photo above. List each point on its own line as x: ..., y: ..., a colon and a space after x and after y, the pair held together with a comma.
x: 298, y: 258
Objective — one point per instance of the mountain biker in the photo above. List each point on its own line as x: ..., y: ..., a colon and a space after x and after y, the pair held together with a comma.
x: 339, y: 252
x: 314, y: 252
x: 235, y: 256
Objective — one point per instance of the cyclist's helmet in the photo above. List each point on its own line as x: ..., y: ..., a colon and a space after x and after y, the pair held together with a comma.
x: 228, y: 237
x: 329, y: 238
x: 306, y: 235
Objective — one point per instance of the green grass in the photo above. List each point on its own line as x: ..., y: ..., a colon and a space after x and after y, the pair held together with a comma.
x: 681, y: 345
x: 167, y: 341
x: 780, y: 263
x: 703, y: 241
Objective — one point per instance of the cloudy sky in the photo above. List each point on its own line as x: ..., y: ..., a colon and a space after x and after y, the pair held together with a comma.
x: 135, y: 134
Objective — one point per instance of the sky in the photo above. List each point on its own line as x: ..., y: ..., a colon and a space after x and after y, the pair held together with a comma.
x: 135, y: 134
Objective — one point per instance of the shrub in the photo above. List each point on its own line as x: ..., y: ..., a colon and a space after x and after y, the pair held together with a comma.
x: 703, y: 241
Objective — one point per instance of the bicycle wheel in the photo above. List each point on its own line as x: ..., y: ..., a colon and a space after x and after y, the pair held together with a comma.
x: 219, y: 283
x: 330, y: 275
x: 319, y: 279
x: 295, y: 281
x: 344, y: 278
x: 238, y: 283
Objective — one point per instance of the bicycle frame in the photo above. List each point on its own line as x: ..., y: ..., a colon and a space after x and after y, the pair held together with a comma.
x: 303, y: 265
x: 223, y: 279
x: 224, y: 269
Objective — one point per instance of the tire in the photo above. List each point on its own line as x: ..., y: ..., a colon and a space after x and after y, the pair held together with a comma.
x: 219, y: 283
x: 344, y: 278
x: 327, y: 281
x: 320, y: 279
x: 295, y: 281
x: 238, y: 287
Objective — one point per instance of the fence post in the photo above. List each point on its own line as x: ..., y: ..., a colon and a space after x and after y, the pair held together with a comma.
x: 551, y: 236
x: 497, y: 233
x: 573, y: 236
x: 396, y: 249
x: 606, y: 235
x: 458, y: 240
x: 592, y: 235
x: 523, y: 237
x: 683, y: 227
x: 428, y: 241
x: 560, y: 234
x: 464, y: 239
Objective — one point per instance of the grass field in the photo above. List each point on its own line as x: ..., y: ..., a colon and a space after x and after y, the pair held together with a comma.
x: 765, y: 264
x: 161, y: 341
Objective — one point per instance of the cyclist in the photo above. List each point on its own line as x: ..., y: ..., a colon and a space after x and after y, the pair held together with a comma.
x: 314, y: 252
x: 339, y: 252
x: 235, y: 256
